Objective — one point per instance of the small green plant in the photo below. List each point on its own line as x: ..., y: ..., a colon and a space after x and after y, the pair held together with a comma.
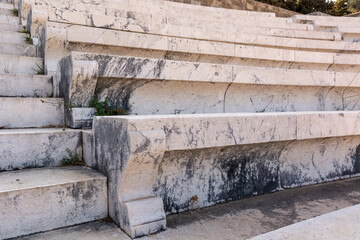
x: 24, y: 31
x: 28, y: 39
x: 105, y: 109
x: 40, y: 69
x: 16, y: 11
x: 72, y: 160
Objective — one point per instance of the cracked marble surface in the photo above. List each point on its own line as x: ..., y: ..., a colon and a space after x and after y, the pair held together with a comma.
x: 219, y: 155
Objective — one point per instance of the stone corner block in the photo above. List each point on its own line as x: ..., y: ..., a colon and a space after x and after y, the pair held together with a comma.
x: 142, y: 217
x: 79, y: 118
x: 78, y: 80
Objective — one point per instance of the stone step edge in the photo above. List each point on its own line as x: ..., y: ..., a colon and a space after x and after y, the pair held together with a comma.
x: 321, y: 227
x: 39, y: 186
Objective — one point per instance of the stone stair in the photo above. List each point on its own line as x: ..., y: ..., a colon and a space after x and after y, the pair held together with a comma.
x: 222, y: 105
x: 36, y: 194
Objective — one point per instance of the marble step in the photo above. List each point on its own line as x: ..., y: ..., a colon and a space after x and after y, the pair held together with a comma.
x: 23, y: 85
x: 329, y: 20
x: 13, y: 37
x: 38, y: 200
x: 9, y: 19
x: 194, y: 32
x: 341, y: 224
x: 9, y: 27
x: 18, y: 49
x: 239, y: 220
x: 7, y: 9
x: 30, y: 112
x: 86, y: 35
x: 44, y: 147
x: 88, y: 231
x: 6, y: 1
x: 20, y: 64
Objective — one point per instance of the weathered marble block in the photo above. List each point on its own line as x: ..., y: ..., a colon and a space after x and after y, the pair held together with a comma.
x: 326, y: 20
x: 148, y: 24
x: 193, y: 161
x: 143, y: 85
x: 158, y: 8
x: 60, y: 38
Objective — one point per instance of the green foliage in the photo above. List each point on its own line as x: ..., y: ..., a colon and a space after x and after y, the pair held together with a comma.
x: 25, y: 31
x: 105, y: 109
x: 15, y: 11
x: 309, y: 6
x: 73, y: 159
x: 338, y: 8
x: 28, y: 39
x: 40, y: 69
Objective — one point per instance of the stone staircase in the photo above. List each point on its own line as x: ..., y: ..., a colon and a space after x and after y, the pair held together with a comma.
x: 35, y: 193
x: 222, y: 105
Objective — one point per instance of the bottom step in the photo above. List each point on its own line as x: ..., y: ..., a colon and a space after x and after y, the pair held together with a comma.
x: 341, y: 224
x: 89, y: 231
x: 39, y: 200
x: 240, y: 220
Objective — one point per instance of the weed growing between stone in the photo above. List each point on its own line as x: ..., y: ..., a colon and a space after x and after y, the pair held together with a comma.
x: 15, y: 11
x: 40, y: 70
x: 72, y: 160
x: 28, y: 39
x: 25, y: 31
x: 105, y: 109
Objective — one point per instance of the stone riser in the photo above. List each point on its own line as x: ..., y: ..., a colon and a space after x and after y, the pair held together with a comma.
x: 9, y: 19
x: 226, y: 174
x: 20, y: 64
x: 141, y: 86
x: 147, y: 24
x: 29, y: 148
x: 12, y: 37
x: 6, y: 9
x: 18, y: 85
x: 146, y: 98
x: 211, y: 34
x: 119, y: 8
x: 9, y: 27
x: 133, y: 12
x: 329, y: 20
x: 18, y: 49
x: 222, y: 157
x: 29, y: 112
x: 100, y: 38
x: 39, y: 200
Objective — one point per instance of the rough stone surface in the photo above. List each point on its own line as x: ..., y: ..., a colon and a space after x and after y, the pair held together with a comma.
x: 341, y: 224
x: 21, y: 85
x: 18, y: 49
x: 242, y: 5
x: 19, y: 64
x: 142, y: 85
x: 97, y: 38
x: 28, y: 112
x: 89, y: 231
x: 140, y: 22
x: 212, y: 153
x: 242, y: 219
x: 44, y: 199
x: 28, y: 148
x: 79, y: 117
